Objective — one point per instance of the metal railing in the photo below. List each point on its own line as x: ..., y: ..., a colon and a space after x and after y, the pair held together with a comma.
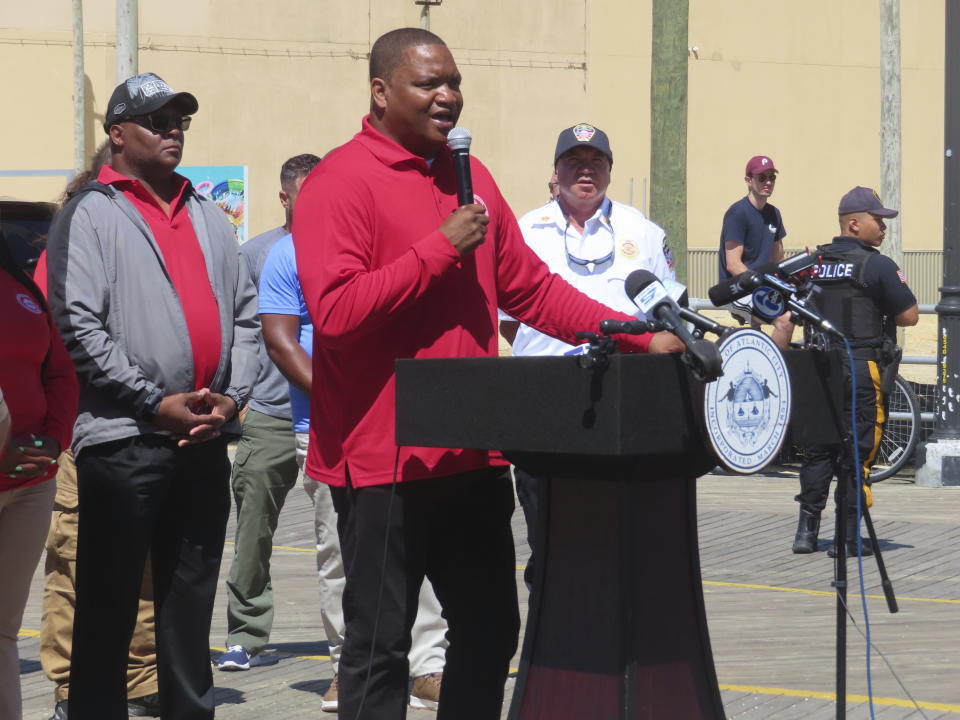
x: 924, y: 268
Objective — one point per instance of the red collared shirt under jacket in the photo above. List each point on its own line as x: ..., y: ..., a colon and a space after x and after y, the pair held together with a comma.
x: 185, y: 264
x: 382, y: 282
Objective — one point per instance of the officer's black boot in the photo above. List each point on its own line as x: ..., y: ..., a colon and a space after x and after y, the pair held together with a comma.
x: 807, y: 530
x: 867, y: 548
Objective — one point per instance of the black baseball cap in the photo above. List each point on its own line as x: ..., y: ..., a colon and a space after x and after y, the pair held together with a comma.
x: 582, y: 134
x: 863, y: 199
x: 141, y: 95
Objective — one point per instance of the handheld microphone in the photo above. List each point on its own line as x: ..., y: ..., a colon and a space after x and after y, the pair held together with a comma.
x: 648, y: 294
x: 459, y: 141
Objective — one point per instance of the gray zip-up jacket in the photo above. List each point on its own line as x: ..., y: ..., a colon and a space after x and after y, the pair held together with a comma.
x: 121, y: 319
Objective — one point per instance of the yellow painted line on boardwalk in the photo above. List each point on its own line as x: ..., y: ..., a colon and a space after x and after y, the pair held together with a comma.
x: 284, y: 547
x: 751, y: 689
x: 802, y: 591
x: 893, y: 702
x: 745, y: 586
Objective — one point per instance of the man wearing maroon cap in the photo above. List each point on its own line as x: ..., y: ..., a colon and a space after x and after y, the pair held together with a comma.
x: 752, y: 236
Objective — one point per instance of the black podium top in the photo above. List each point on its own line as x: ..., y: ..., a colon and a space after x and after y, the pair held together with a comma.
x: 645, y: 410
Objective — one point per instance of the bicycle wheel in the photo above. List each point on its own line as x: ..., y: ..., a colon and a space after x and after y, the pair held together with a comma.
x: 901, y: 434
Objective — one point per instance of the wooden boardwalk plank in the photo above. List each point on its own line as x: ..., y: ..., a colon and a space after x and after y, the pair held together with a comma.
x: 763, y: 639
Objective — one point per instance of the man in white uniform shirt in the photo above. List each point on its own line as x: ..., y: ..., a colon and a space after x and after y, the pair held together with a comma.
x: 592, y: 242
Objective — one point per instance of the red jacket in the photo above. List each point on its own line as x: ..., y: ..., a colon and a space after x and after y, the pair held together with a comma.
x: 382, y: 282
x: 37, y: 376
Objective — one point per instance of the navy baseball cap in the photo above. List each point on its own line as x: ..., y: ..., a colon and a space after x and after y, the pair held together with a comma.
x: 580, y: 135
x: 141, y: 95
x: 863, y: 199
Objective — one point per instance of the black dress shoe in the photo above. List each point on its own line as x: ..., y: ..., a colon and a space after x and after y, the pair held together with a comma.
x: 59, y: 711
x: 146, y: 706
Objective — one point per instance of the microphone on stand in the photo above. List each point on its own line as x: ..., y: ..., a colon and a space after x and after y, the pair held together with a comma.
x: 746, y: 283
x: 459, y: 141
x: 649, y: 294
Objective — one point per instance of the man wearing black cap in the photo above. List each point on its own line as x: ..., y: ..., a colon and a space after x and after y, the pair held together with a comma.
x: 160, y: 318
x: 865, y: 295
x: 751, y: 237
x: 586, y: 238
x: 590, y: 241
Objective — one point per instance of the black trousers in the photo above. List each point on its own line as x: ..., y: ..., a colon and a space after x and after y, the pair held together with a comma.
x: 456, y: 531
x: 137, y: 495
x: 822, y: 462
x: 529, y: 496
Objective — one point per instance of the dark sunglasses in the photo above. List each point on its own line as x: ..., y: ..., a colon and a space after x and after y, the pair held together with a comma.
x: 160, y: 124
x: 767, y: 177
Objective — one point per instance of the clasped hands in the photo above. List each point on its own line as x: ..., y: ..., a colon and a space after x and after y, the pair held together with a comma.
x: 194, y: 417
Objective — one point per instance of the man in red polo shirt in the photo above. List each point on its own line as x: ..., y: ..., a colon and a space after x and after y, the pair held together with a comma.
x: 390, y: 267
x: 160, y: 317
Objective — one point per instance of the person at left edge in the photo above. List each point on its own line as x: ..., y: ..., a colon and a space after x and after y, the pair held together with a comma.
x: 40, y: 387
x: 159, y: 314
x: 390, y: 267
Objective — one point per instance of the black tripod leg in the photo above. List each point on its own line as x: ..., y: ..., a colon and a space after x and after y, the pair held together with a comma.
x: 840, y: 583
x: 881, y: 568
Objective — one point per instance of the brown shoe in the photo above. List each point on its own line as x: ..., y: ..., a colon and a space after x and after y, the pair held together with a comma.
x: 425, y: 693
x: 330, y: 702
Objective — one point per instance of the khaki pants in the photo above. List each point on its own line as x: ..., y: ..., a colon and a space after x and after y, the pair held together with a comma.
x: 23, y: 519
x: 56, y: 629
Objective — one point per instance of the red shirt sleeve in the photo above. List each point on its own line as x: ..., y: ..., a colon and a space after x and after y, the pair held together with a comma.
x: 40, y: 273
x: 333, y: 235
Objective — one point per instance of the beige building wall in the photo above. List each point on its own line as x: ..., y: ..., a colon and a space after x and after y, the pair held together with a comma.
x: 798, y: 81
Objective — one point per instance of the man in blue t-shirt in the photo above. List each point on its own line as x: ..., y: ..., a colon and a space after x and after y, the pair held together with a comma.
x: 264, y: 467
x: 288, y: 336
x: 752, y: 236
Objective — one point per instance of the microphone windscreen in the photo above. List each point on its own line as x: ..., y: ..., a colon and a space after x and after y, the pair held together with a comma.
x: 722, y: 293
x: 459, y: 139
x: 637, y: 281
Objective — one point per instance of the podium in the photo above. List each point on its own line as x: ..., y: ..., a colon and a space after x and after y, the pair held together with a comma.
x: 616, y: 627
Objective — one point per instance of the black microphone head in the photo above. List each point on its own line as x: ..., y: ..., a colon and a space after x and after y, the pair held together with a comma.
x: 459, y: 139
x: 736, y: 287
x: 637, y: 281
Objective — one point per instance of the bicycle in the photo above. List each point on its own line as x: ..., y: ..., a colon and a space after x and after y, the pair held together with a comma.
x: 901, y: 433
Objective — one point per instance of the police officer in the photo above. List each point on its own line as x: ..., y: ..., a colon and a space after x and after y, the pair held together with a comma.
x: 865, y: 295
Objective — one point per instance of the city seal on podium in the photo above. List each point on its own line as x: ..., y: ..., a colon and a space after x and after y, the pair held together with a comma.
x: 748, y: 408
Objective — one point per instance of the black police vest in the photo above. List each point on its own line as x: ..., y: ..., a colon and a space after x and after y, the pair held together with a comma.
x: 844, y: 300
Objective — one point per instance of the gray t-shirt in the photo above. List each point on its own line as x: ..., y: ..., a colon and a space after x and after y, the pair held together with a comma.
x: 271, y: 394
